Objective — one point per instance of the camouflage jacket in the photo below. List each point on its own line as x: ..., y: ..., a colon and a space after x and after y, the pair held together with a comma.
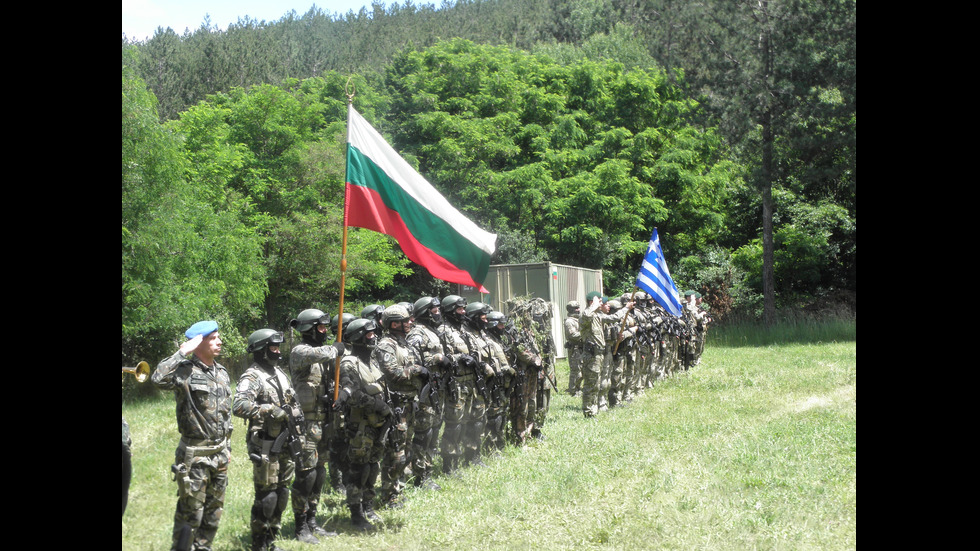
x: 203, y: 396
x: 256, y: 387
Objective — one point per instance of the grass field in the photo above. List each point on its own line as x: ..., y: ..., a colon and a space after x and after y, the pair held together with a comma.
x: 756, y: 448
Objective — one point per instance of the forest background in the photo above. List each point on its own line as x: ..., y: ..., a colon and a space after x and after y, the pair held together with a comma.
x: 571, y: 128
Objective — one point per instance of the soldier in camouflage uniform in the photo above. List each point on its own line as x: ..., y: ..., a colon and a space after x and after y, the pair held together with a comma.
x: 525, y: 356
x: 501, y: 384
x: 311, y: 363
x: 594, y: 322
x: 424, y: 339
x: 364, y: 395
x: 540, y: 311
x: 405, y: 376
x: 573, y: 343
x: 472, y: 332
x: 465, y: 411
x: 202, y: 390
x: 264, y: 397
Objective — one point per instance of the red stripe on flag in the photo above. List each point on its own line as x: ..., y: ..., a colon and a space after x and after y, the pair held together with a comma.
x: 364, y: 208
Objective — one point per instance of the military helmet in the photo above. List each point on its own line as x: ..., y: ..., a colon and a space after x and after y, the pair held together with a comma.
x: 262, y: 338
x: 495, y: 317
x: 476, y: 309
x: 423, y: 305
x: 347, y: 319
x: 374, y: 311
x: 451, y: 302
x: 308, y: 319
x: 358, y: 330
x: 572, y: 306
x: 407, y: 305
x: 614, y: 305
x: 395, y: 312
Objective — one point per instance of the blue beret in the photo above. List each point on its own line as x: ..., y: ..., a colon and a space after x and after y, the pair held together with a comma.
x: 201, y: 328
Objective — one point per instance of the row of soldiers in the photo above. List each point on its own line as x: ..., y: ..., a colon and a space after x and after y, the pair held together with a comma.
x: 437, y: 378
x: 618, y: 348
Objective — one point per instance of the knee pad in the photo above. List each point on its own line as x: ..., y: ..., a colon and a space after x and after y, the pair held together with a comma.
x: 269, y: 502
x: 303, y: 484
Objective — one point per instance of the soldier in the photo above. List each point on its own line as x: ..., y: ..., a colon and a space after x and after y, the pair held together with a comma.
x: 264, y: 397
x: 202, y: 390
x: 424, y: 339
x: 626, y: 351
x: 540, y: 312
x: 333, y: 432
x: 472, y: 331
x: 312, y: 367
x: 593, y: 326
x: 573, y: 343
x: 525, y: 356
x: 405, y: 376
x: 648, y: 345
x: 500, y: 385
x: 465, y: 411
x: 364, y: 395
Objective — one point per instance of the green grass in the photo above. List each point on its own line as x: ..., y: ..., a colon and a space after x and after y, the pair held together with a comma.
x: 753, y: 449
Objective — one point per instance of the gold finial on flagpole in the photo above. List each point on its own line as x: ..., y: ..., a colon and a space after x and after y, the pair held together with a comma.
x: 347, y: 90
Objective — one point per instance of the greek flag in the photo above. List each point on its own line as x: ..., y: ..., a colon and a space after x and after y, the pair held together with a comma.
x: 655, y: 278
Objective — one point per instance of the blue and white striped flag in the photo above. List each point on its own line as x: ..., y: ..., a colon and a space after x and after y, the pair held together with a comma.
x: 655, y: 278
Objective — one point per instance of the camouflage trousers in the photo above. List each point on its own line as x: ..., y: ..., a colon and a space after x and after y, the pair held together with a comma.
x: 605, y: 378
x: 523, y: 403
x: 201, y: 496
x: 645, y: 370
x: 425, y: 440
x: 271, y: 475
x: 465, y: 421
x: 365, y: 449
x: 591, y: 382
x: 398, y: 450
x: 617, y: 376
x: 623, y: 387
x: 575, y: 356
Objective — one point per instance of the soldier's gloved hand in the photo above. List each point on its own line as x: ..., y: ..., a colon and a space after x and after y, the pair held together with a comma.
x: 444, y: 362
x: 467, y: 361
x: 380, y: 406
x: 510, y: 371
x: 488, y: 369
x: 422, y: 372
x: 342, y: 397
x: 275, y: 413
x: 339, y: 347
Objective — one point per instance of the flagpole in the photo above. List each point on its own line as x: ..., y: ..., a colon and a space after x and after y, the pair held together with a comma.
x: 343, y: 254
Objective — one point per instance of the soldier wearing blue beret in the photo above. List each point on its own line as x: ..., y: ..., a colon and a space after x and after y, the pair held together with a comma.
x: 202, y: 390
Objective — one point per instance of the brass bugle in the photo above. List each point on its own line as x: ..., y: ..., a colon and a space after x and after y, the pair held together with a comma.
x: 141, y: 371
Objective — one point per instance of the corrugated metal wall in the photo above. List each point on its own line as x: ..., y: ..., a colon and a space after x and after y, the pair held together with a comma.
x: 555, y: 283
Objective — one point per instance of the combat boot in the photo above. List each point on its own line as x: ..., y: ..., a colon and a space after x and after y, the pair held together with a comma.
x: 303, y: 532
x: 369, y: 513
x: 316, y: 529
x: 425, y: 481
x: 357, y: 518
x: 473, y: 457
x: 270, y: 541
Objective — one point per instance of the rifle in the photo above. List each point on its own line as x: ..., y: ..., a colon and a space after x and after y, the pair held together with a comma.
x: 294, y: 423
x: 478, y: 367
x: 451, y: 389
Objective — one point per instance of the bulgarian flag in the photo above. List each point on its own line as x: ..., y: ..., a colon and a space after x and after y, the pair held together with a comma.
x: 385, y: 194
